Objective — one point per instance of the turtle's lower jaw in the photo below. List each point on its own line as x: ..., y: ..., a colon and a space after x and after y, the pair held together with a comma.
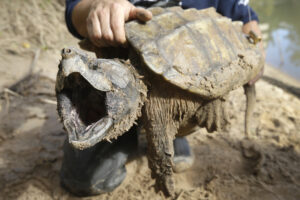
x: 85, y: 125
x: 94, y: 133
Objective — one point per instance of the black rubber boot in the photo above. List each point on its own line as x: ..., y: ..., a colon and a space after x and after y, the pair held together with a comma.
x: 183, y: 158
x: 99, y: 169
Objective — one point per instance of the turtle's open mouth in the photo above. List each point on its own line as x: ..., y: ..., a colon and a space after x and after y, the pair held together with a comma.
x: 97, y: 99
x: 84, y: 111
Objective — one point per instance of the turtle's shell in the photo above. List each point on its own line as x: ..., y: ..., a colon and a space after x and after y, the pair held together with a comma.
x: 197, y: 50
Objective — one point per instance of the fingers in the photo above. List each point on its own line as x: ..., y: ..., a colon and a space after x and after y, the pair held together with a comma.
x: 105, y: 22
x: 107, y: 33
x: 117, y: 26
x: 94, y: 30
x: 140, y: 14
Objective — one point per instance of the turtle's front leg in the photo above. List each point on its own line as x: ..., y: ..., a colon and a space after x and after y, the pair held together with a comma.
x: 160, y: 155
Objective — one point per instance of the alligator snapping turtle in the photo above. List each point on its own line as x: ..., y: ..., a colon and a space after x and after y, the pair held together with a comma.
x: 181, y: 66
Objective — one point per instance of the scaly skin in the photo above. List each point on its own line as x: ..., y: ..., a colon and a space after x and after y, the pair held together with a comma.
x: 167, y: 110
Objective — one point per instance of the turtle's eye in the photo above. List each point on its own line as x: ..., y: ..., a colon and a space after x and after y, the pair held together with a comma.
x: 66, y: 52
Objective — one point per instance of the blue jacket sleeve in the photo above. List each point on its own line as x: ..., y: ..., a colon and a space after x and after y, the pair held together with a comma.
x: 237, y: 10
x: 70, y: 4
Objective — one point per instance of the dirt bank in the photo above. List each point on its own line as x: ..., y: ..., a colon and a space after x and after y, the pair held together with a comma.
x: 226, y: 167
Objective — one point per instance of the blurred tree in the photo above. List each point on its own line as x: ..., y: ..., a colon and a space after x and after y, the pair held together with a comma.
x: 281, y: 14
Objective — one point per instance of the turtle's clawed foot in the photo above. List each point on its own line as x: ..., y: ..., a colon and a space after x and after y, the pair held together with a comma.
x: 166, y: 184
x: 160, y: 156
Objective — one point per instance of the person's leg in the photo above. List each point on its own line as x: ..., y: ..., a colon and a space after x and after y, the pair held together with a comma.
x: 98, y: 169
x: 183, y: 158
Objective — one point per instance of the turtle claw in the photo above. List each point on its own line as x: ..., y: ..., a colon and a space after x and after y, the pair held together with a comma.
x: 166, y: 185
x: 169, y: 187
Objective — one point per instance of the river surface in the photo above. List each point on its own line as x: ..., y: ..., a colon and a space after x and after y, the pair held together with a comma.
x: 282, y: 20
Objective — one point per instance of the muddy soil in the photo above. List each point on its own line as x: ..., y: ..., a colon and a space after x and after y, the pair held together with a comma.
x: 265, y: 167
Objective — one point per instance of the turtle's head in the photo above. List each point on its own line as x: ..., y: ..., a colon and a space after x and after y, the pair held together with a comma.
x: 97, y: 99
x: 75, y: 61
x: 72, y: 59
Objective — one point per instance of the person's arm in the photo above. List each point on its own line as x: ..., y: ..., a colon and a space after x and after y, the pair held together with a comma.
x: 102, y: 21
x: 70, y: 4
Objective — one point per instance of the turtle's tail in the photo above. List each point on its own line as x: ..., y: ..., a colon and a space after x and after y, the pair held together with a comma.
x: 250, y: 98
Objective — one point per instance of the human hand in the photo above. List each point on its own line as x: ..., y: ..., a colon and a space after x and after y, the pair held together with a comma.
x: 105, y: 19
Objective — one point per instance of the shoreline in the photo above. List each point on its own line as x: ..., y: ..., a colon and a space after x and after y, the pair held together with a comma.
x: 275, y: 73
x: 281, y: 80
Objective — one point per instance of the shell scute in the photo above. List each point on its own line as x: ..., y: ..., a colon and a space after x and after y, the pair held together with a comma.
x: 197, y: 50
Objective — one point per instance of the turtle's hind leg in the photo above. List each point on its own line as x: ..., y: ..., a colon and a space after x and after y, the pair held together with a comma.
x: 250, y: 103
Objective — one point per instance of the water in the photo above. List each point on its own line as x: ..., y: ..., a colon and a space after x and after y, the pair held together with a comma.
x: 283, y: 42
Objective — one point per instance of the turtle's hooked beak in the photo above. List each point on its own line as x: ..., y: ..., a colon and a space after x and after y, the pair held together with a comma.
x: 76, y: 61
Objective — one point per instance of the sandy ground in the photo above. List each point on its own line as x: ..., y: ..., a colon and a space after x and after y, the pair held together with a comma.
x: 266, y: 167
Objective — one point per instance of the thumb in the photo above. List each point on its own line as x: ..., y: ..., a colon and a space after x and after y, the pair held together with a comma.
x: 140, y: 14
